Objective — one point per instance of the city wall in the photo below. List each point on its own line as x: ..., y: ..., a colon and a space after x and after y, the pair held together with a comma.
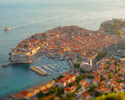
x: 114, y: 46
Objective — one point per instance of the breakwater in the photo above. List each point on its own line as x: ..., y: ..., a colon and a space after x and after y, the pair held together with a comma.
x: 7, y: 64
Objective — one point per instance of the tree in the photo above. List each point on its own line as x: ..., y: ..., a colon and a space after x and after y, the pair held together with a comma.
x: 32, y: 36
x: 113, y: 57
x: 76, y: 84
x: 101, y: 55
x: 40, y: 94
x: 119, y: 60
x: 117, y: 64
x: 87, y: 35
x: 55, y: 79
x: 97, y: 93
x: 77, y: 65
x: 112, y: 89
x: 92, y: 88
x: 59, y: 93
x: 69, y: 96
x: 61, y: 90
x: 118, y: 32
x: 79, y: 78
x: 111, y: 70
x: 59, y: 77
x: 108, y: 62
x: 70, y: 84
x: 110, y: 76
x: 53, y: 89
x: 107, y: 67
x: 86, y: 74
x: 102, y: 78
x: 111, y: 96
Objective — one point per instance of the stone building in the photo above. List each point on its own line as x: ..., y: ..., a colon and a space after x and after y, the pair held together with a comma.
x: 85, y: 66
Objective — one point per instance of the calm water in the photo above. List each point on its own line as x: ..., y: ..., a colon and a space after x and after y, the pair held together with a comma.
x: 26, y: 17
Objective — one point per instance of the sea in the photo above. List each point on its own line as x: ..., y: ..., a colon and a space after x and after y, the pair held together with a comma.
x: 26, y: 17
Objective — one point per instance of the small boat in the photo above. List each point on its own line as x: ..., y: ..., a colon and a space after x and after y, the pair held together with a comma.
x: 46, y: 68
x: 7, y: 29
x: 51, y: 66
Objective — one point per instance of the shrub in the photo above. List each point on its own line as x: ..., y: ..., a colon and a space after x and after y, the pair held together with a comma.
x: 77, y: 65
x: 111, y: 96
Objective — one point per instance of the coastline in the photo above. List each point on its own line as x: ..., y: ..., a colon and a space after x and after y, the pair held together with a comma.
x: 46, y: 44
x: 108, y: 48
x: 34, y: 86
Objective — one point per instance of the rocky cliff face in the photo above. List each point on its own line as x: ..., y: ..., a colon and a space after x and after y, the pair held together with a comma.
x: 112, y: 26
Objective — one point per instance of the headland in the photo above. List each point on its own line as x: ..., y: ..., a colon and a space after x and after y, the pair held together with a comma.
x: 68, y: 42
x: 78, y: 45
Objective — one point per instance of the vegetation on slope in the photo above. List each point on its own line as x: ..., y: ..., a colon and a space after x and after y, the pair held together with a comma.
x: 112, y: 96
x: 113, y: 26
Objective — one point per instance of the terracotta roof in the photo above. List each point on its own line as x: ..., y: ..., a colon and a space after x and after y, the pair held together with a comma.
x: 85, y: 94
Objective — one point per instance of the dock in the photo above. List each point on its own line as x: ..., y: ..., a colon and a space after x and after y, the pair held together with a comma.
x: 40, y: 72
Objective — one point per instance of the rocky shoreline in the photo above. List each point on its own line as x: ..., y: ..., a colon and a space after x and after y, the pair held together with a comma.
x: 63, y: 56
x: 23, y: 54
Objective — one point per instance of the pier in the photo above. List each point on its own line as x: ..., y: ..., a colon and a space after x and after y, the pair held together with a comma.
x: 38, y: 70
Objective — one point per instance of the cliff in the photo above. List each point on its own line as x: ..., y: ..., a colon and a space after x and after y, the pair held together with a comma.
x: 114, y: 26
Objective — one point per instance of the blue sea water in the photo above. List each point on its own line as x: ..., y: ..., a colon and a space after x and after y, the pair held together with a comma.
x: 26, y: 17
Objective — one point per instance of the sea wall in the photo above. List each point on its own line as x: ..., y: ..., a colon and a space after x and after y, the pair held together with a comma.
x: 109, y: 48
x: 114, y: 46
x: 21, y: 58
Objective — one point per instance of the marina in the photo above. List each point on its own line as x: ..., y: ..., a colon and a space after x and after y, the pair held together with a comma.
x: 44, y: 73
x: 25, y: 20
x: 25, y: 74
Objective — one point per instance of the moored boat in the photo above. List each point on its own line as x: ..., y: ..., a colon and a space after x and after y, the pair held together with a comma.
x: 38, y: 70
x: 46, y: 68
x: 51, y: 66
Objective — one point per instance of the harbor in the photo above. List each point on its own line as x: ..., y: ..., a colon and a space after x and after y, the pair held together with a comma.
x: 18, y: 74
x: 40, y: 70
x: 23, y: 21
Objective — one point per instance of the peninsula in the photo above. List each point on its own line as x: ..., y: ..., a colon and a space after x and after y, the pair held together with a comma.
x: 69, y: 42
x: 92, y: 74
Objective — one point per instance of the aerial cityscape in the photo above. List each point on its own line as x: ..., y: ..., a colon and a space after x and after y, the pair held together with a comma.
x: 44, y: 58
